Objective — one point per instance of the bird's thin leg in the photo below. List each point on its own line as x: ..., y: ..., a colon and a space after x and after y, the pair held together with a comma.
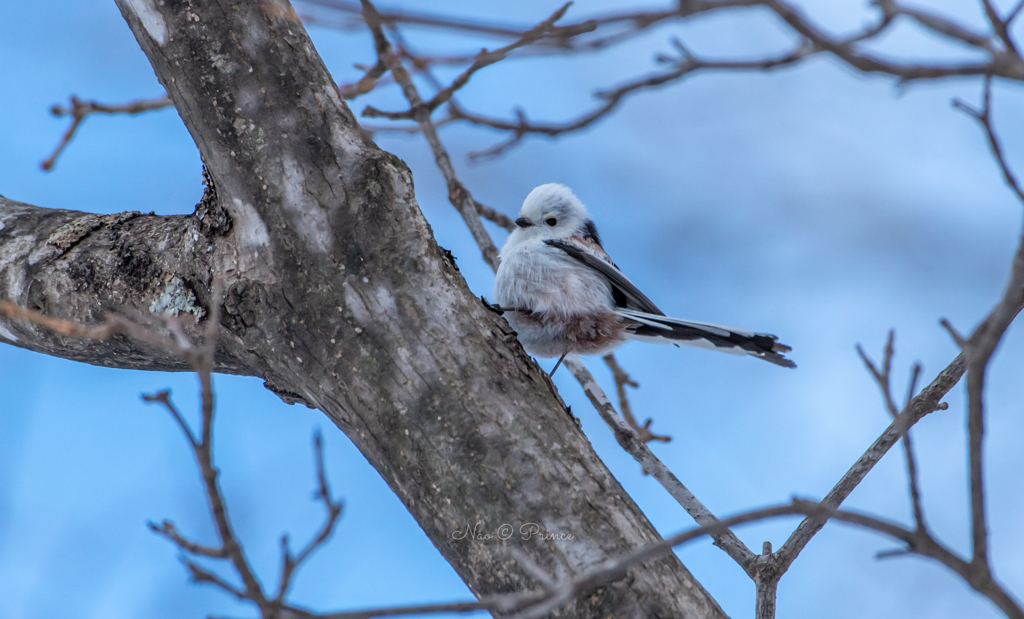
x: 494, y: 307
x: 559, y: 363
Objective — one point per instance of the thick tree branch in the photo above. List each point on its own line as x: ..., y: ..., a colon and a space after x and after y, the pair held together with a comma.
x: 703, y: 516
x: 340, y: 298
x: 84, y: 268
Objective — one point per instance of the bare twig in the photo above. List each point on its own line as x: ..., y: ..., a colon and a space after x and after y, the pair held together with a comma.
x: 999, y: 26
x: 882, y: 377
x: 200, y: 575
x: 926, y: 402
x: 289, y: 562
x: 611, y: 99
x: 80, y: 110
x: 63, y: 327
x: 603, y: 31
x: 485, y: 59
x: 500, y: 219
x: 614, y: 28
x: 982, y: 344
x: 201, y: 358
x: 953, y: 333
x: 630, y: 441
x: 373, y: 74
x: 168, y: 530
x: 112, y: 324
x: 984, y: 117
x: 938, y: 24
x: 535, y: 604
x: 458, y: 195
x: 922, y: 543
x: 202, y: 447
x: 622, y: 380
x: 1012, y: 15
x: 164, y: 397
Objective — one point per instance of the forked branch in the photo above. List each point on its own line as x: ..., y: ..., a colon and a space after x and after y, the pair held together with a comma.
x: 80, y: 110
x: 882, y: 377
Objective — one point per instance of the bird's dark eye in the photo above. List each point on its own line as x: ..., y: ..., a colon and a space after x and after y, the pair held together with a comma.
x: 551, y: 221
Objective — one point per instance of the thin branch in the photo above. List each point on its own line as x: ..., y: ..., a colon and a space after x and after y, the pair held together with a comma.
x: 112, y: 324
x: 500, y: 219
x: 574, y: 38
x: 982, y: 344
x: 458, y: 195
x: 925, y: 403
x: 167, y: 530
x: 485, y: 603
x: 535, y: 604
x: 613, y: 97
x: 984, y: 116
x: 630, y: 441
x: 485, y: 59
x: 200, y: 575
x: 999, y: 26
x: 611, y: 29
x: 63, y: 327
x: 1012, y: 15
x: 524, y: 562
x: 937, y: 24
x: 369, y: 81
x: 868, y: 63
x: 622, y: 380
x: 231, y: 549
x: 921, y: 543
x: 883, y: 378
x: 201, y: 358
x: 164, y: 397
x: 291, y: 563
x: 958, y: 339
x: 915, y: 490
x: 80, y: 110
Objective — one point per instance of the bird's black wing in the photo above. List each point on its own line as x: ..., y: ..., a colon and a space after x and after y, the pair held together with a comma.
x: 624, y: 293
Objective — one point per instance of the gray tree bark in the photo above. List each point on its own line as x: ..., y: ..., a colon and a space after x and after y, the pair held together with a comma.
x: 338, y: 296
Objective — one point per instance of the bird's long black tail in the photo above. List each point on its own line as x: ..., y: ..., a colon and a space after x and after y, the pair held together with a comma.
x: 664, y: 330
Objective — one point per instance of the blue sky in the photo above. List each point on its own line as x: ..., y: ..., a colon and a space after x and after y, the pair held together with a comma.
x: 814, y: 203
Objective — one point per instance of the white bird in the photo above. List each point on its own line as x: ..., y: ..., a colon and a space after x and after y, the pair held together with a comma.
x: 564, y: 295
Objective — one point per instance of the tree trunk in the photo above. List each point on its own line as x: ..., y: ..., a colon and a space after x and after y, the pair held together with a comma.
x: 338, y: 297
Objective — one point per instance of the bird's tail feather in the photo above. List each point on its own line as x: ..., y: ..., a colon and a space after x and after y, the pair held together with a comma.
x: 664, y: 330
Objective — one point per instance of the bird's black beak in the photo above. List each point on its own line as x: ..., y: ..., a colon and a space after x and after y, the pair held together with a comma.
x: 523, y: 222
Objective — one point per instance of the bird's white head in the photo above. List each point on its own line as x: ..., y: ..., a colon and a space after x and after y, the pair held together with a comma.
x: 552, y: 211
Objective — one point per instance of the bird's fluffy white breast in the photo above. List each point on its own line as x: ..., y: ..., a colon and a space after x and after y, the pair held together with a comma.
x: 535, y: 276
